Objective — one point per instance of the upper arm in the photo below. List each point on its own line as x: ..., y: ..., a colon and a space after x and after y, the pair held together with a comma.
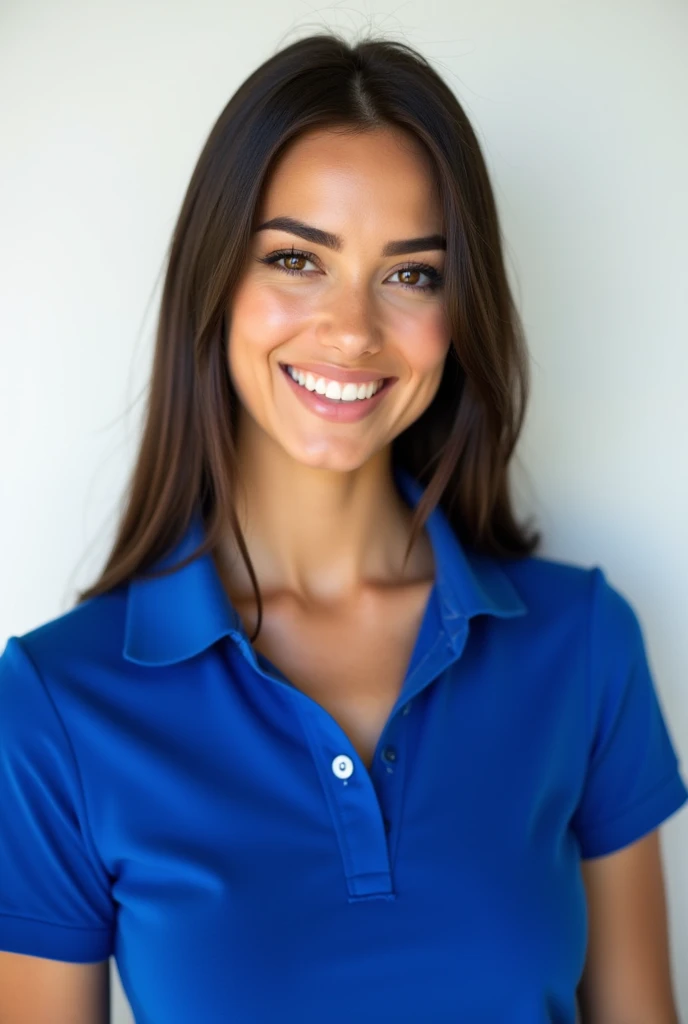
x: 34, y: 990
x: 627, y: 975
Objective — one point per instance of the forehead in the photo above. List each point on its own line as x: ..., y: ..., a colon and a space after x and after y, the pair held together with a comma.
x: 334, y: 175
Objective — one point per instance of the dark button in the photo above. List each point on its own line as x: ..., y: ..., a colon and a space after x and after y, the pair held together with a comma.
x: 389, y: 754
x: 388, y: 826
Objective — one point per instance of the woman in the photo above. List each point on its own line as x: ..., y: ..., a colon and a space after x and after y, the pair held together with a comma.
x: 326, y: 740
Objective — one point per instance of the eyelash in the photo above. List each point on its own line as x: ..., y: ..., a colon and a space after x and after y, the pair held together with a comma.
x: 425, y: 268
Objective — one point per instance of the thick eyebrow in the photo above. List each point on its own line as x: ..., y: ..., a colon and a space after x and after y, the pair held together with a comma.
x: 330, y: 241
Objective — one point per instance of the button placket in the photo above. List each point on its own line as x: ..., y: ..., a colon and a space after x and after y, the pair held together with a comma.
x: 354, y: 807
x: 361, y: 802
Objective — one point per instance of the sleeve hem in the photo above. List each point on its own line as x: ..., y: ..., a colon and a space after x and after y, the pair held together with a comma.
x: 53, y: 941
x: 643, y: 817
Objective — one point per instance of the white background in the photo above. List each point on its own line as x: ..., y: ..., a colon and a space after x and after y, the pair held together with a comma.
x: 580, y: 109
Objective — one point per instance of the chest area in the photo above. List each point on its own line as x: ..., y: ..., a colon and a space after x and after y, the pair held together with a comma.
x: 352, y: 661
x: 247, y: 864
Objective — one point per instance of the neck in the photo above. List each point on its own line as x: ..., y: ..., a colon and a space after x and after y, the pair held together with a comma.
x: 319, y: 535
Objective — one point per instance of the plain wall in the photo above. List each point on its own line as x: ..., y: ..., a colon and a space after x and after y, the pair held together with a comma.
x: 580, y: 109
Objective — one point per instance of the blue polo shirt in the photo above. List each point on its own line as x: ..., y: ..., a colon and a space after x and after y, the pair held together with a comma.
x: 170, y: 799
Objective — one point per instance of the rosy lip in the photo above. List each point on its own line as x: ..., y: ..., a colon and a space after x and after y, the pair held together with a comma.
x: 333, y: 409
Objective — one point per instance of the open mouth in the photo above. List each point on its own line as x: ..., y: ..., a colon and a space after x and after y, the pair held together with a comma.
x: 335, y: 391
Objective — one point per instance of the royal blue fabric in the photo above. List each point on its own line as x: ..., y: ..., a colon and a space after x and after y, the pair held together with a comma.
x: 169, y: 798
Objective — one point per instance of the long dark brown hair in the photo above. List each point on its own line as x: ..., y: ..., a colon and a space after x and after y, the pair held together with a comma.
x: 460, y: 447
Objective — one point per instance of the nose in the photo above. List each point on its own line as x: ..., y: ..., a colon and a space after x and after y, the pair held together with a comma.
x: 349, y: 325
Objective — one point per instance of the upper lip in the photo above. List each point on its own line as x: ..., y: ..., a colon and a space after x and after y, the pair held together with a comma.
x: 338, y: 372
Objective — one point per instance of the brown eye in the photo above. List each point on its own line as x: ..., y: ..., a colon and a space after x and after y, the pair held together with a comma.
x: 291, y: 256
x: 417, y: 270
x: 291, y: 260
x: 414, y: 276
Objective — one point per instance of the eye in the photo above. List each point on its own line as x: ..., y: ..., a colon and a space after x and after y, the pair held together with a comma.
x: 421, y: 268
x: 287, y: 254
x: 297, y: 256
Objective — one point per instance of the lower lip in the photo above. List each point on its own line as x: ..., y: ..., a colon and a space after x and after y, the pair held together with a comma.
x: 334, y: 409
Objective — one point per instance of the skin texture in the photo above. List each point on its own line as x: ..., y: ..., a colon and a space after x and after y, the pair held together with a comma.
x: 323, y: 523
x: 627, y: 976
x: 34, y: 990
x: 321, y: 512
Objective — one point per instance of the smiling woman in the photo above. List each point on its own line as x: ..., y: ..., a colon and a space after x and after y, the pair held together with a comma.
x: 326, y: 740
x: 368, y: 317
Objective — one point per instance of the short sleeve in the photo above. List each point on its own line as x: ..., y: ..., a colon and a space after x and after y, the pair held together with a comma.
x: 54, y: 894
x: 633, y: 782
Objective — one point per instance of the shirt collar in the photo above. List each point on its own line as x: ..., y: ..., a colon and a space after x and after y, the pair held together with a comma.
x: 175, y: 617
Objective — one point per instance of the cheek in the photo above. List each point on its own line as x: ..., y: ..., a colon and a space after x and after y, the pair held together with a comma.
x: 261, y: 317
x: 260, y: 321
x: 424, y: 344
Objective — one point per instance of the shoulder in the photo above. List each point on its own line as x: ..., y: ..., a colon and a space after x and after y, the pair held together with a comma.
x: 63, y: 660
x: 57, y: 683
x: 90, y: 631
x: 54, y: 889
x: 555, y: 588
x: 584, y: 634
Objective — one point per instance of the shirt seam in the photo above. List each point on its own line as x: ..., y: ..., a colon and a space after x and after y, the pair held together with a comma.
x: 91, y: 846
x: 55, y: 924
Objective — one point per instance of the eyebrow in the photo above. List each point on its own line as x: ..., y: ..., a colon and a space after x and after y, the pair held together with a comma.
x: 331, y: 241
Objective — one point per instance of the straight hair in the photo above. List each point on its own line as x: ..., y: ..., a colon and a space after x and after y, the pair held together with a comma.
x: 459, y: 449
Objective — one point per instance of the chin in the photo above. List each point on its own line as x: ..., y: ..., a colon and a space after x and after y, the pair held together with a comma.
x: 320, y: 453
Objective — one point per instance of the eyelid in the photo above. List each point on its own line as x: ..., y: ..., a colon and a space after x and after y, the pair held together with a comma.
x: 410, y: 264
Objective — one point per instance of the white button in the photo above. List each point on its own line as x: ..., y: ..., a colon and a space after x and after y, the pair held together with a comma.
x: 342, y: 766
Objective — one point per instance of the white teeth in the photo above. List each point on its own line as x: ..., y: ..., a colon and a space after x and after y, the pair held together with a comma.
x: 332, y: 388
